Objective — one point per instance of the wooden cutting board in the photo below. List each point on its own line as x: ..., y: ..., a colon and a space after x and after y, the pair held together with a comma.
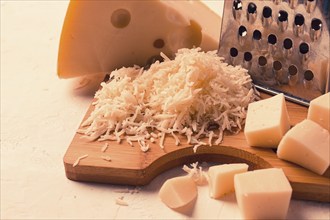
x: 130, y: 166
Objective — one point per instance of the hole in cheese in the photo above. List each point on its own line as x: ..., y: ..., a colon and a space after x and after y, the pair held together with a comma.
x: 152, y: 60
x: 159, y: 43
x: 120, y: 18
x: 195, y: 33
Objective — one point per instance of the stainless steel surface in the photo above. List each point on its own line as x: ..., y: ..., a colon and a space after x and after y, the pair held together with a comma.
x: 277, y: 1
x: 262, y: 65
x: 272, y: 43
x: 315, y: 29
x: 251, y: 13
x: 308, y: 79
x: 257, y: 39
x: 233, y: 53
x: 289, y: 55
x: 299, y: 25
x: 237, y: 9
x: 304, y: 52
x: 293, y: 75
x: 310, y: 5
x: 247, y: 60
x: 287, y: 48
x: 242, y: 35
x: 278, y: 71
x: 293, y: 3
x: 282, y: 20
x: 267, y: 16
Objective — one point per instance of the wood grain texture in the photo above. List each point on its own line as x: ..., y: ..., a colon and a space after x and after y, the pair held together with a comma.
x: 130, y: 166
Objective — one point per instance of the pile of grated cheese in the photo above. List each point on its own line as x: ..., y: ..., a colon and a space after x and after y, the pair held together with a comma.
x: 196, y: 95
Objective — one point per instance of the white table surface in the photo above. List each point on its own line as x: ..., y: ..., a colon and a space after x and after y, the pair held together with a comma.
x: 39, y: 116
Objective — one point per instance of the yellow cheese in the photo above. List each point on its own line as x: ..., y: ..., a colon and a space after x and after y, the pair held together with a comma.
x: 308, y: 145
x: 266, y: 122
x: 178, y: 193
x: 319, y: 111
x: 221, y: 178
x: 100, y: 36
x: 263, y: 194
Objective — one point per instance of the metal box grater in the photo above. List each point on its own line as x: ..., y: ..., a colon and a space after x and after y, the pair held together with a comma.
x: 283, y: 44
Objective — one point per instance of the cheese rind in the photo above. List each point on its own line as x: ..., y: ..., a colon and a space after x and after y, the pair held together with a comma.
x: 178, y: 192
x: 221, y: 178
x: 263, y: 194
x: 319, y: 111
x: 100, y: 36
x: 308, y: 145
x: 266, y: 122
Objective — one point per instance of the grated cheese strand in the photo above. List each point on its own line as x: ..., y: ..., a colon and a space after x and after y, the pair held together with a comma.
x: 78, y: 160
x: 120, y: 201
x: 196, y: 173
x: 211, y: 134
x: 106, y: 158
x: 105, y: 147
x: 181, y: 96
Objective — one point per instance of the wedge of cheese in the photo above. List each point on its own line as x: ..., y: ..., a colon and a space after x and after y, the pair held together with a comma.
x: 99, y: 36
x: 178, y: 193
x: 266, y: 122
x: 263, y: 194
x: 306, y: 144
x: 221, y: 178
x: 319, y: 111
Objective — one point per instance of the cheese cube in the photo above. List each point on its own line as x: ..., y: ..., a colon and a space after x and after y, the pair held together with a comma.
x: 308, y: 145
x: 221, y: 178
x: 100, y: 36
x: 178, y: 193
x: 263, y: 194
x: 319, y: 111
x: 266, y: 122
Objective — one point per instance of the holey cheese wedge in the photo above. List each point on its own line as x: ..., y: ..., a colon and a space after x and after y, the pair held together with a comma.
x: 100, y: 36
